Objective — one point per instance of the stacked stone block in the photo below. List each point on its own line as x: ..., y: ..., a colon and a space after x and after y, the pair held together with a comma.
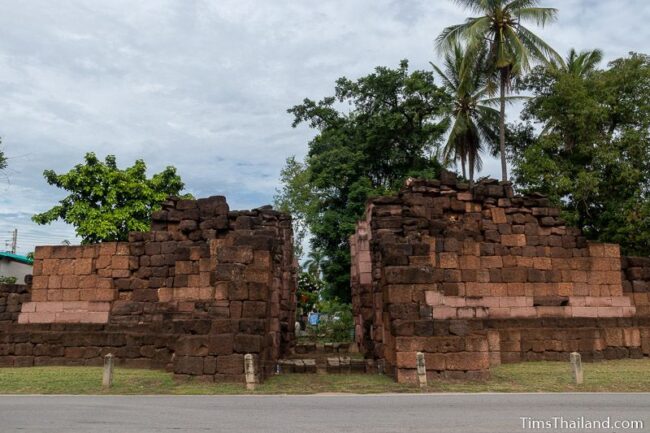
x: 12, y: 297
x: 206, y: 284
x: 441, y: 260
x: 636, y: 282
x: 75, y: 284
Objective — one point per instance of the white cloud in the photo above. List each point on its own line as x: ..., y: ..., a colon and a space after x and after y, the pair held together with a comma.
x: 204, y: 85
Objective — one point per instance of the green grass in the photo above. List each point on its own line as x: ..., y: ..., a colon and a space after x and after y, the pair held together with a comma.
x: 618, y: 376
x: 627, y: 375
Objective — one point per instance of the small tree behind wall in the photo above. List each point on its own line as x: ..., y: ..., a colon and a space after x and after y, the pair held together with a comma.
x: 105, y: 203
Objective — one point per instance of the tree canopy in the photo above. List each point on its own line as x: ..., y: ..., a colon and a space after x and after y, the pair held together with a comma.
x: 390, y: 132
x: 106, y: 203
x: 511, y: 48
x: 593, y: 155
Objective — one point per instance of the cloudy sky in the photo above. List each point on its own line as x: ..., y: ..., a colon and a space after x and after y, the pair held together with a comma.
x: 204, y: 85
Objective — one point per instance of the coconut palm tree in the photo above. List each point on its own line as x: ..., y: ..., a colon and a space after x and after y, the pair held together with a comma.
x: 579, y: 64
x: 471, y: 119
x: 511, y: 47
x: 314, y: 263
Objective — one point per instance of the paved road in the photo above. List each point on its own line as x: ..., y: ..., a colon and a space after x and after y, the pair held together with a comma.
x: 310, y: 414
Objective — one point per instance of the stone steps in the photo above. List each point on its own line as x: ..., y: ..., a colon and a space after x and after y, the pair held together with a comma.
x: 302, y: 348
x: 328, y: 364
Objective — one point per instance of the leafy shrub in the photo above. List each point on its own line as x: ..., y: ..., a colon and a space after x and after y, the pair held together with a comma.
x: 337, y: 322
x: 7, y: 280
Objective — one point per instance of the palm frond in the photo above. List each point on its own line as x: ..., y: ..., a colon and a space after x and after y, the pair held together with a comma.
x: 451, y: 151
x: 518, y: 4
x: 487, y: 121
x: 446, y: 81
x: 450, y: 36
x: 469, y: 30
x: 586, y: 62
x: 543, y: 51
x: 518, y: 51
x: 578, y: 64
x: 475, y: 5
x: 508, y: 99
x: 539, y: 16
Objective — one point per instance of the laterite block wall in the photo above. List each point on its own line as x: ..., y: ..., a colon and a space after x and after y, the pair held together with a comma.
x: 478, y: 277
x: 204, y: 287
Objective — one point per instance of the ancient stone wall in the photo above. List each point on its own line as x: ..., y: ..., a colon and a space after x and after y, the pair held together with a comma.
x: 476, y: 277
x: 12, y: 297
x: 205, y: 286
x: 636, y: 282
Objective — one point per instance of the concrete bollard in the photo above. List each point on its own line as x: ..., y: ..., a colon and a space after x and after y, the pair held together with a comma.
x: 107, y: 377
x: 249, y: 370
x: 576, y: 366
x: 422, y: 369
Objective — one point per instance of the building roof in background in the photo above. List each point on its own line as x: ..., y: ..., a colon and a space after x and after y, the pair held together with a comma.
x: 17, y: 258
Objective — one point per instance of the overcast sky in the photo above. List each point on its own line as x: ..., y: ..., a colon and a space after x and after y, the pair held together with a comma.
x: 204, y: 85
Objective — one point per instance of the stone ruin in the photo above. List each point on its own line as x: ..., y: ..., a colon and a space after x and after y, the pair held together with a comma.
x: 204, y: 287
x: 478, y: 277
x: 471, y: 277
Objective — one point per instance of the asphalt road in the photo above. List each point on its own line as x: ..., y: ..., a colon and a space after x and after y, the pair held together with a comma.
x: 310, y: 414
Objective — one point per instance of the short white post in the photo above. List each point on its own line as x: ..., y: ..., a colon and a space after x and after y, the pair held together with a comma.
x: 576, y: 365
x: 249, y: 370
x: 422, y: 369
x: 107, y: 377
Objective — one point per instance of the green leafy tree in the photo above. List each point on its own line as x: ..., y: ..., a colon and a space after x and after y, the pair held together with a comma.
x: 593, y: 157
x: 296, y: 197
x: 389, y: 133
x: 511, y: 47
x: 106, y: 203
x: 337, y: 321
x: 472, y: 121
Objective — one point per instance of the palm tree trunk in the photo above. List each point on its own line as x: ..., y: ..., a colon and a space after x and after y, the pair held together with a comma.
x: 502, y: 125
x: 471, y: 170
x: 462, y: 163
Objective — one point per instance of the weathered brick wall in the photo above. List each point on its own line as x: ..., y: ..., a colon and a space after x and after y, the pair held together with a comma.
x: 636, y: 282
x: 441, y: 260
x: 205, y: 286
x: 12, y: 297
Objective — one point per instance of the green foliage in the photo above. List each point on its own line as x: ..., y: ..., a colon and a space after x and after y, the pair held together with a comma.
x: 310, y: 283
x: 337, y: 323
x: 388, y: 134
x: 309, y: 288
x: 579, y: 64
x: 509, y: 46
x: 499, y: 27
x: 7, y: 280
x: 593, y: 156
x: 296, y: 197
x: 106, y: 203
x: 471, y: 118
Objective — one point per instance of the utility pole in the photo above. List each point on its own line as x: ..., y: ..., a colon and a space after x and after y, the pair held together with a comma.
x: 14, y: 241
